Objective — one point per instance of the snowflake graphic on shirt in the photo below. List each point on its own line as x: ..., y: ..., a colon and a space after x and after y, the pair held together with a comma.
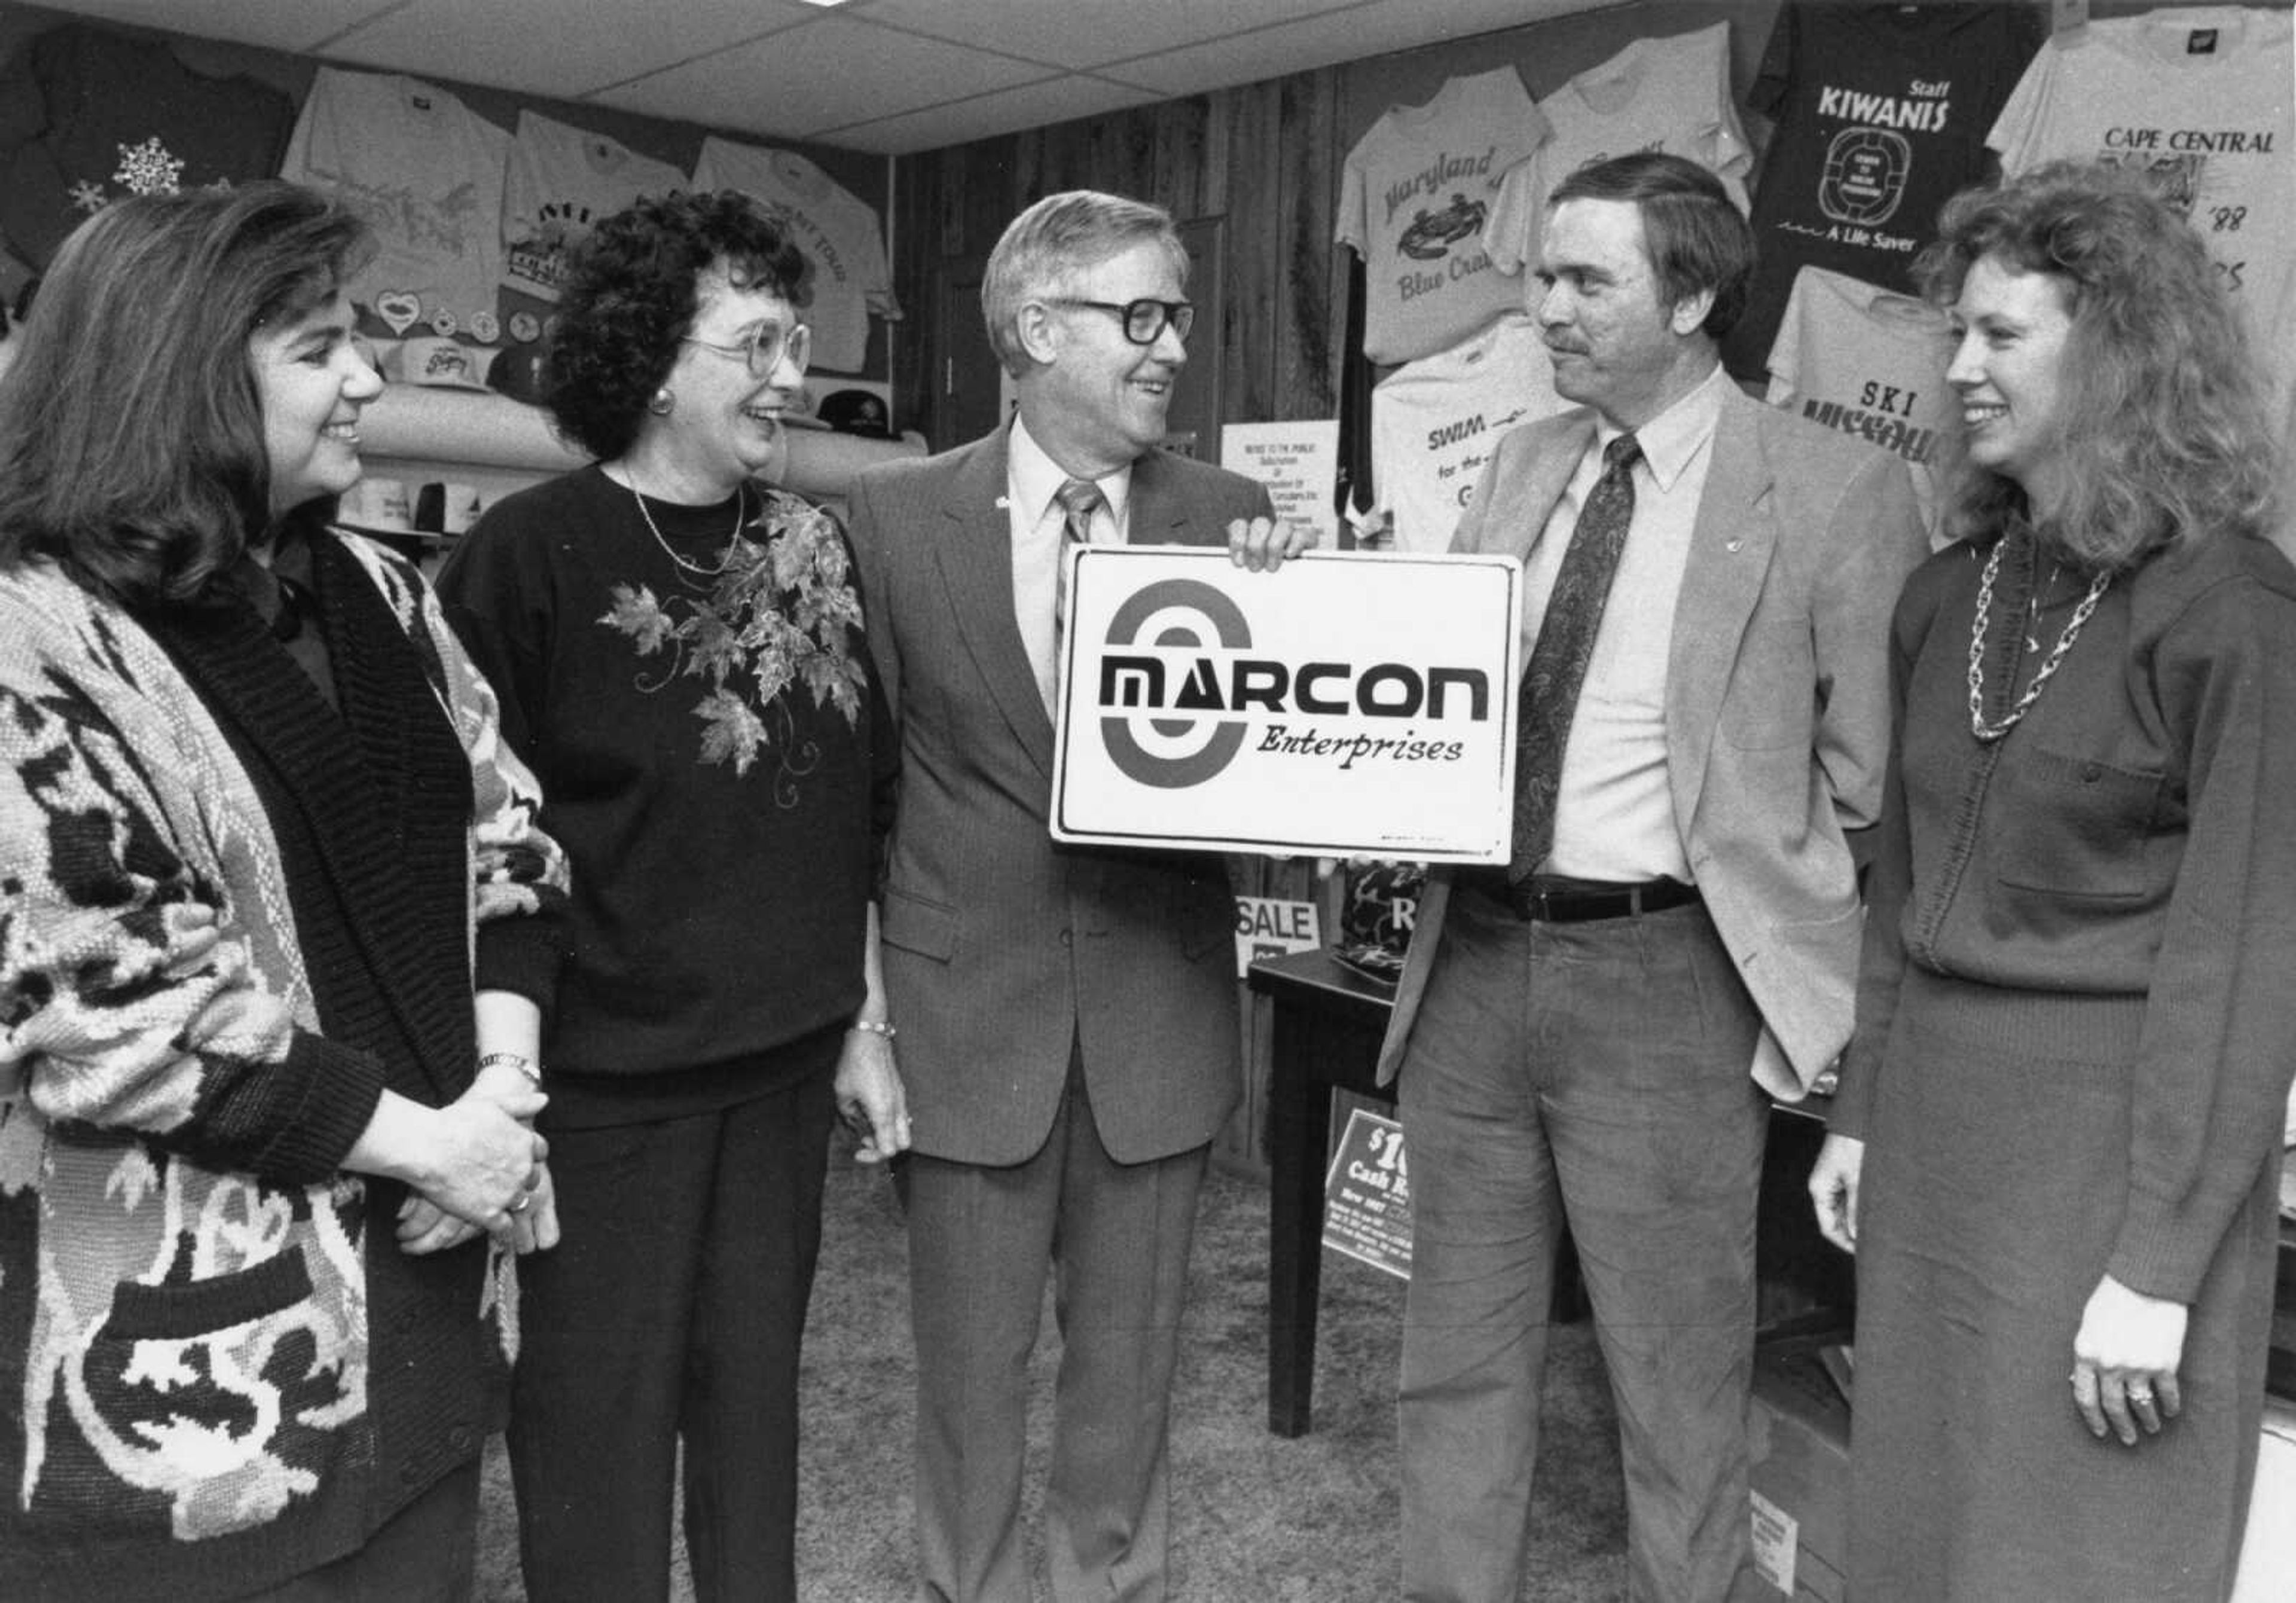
x: 148, y: 169
x: 88, y: 197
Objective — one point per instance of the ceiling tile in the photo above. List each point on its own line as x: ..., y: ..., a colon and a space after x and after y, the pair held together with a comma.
x: 1087, y: 33
x: 1031, y: 106
x: 291, y: 25
x: 832, y: 72
x: 562, y: 48
x: 1325, y: 40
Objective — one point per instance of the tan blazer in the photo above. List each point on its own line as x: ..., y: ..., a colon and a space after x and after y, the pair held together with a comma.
x: 1778, y: 718
x: 999, y: 946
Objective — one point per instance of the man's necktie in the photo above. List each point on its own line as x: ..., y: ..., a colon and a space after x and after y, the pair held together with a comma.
x: 1566, y: 644
x: 1079, y: 498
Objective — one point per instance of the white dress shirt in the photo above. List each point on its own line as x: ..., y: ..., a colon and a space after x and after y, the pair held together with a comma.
x: 1614, y: 811
x: 1032, y: 483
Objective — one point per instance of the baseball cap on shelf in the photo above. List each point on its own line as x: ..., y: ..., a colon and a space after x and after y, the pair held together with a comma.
x: 856, y: 412
x: 440, y: 362
x: 518, y: 374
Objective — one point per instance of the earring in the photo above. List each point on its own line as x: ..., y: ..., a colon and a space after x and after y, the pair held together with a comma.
x: 661, y: 402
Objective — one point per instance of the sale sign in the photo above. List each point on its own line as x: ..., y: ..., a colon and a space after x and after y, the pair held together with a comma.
x: 1346, y: 705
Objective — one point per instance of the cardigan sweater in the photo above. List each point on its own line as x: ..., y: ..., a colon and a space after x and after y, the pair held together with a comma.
x: 233, y: 917
x: 718, y: 914
x: 2128, y: 839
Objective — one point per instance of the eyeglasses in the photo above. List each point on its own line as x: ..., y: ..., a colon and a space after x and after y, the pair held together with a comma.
x: 765, y: 349
x: 1144, y: 320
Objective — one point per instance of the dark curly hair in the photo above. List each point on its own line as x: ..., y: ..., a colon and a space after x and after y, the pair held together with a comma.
x: 631, y: 294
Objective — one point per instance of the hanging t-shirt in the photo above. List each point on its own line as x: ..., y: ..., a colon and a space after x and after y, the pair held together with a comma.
x: 2200, y: 97
x: 1881, y: 112
x: 1435, y: 421
x: 1413, y: 197
x: 839, y: 234
x: 427, y: 172
x: 1870, y: 363
x: 1669, y: 95
x: 561, y: 180
x: 88, y: 117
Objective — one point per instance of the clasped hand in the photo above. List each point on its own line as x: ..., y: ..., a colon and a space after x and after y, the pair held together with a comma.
x: 488, y: 1172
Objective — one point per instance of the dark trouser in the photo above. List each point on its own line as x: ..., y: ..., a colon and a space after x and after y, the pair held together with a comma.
x: 427, y: 1553
x: 1595, y: 1072
x: 980, y: 1242
x: 674, y: 1307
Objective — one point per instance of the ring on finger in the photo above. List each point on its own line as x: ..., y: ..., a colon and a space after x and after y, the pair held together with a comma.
x: 524, y: 1200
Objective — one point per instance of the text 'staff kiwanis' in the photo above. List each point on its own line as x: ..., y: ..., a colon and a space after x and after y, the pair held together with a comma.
x: 1346, y: 705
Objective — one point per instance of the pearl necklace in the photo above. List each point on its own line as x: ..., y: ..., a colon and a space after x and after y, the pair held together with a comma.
x: 741, y: 517
x: 1991, y: 732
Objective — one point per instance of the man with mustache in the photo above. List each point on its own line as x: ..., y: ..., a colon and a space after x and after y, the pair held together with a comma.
x: 1596, y: 1029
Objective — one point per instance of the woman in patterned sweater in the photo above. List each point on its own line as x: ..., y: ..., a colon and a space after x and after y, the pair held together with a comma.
x: 259, y: 848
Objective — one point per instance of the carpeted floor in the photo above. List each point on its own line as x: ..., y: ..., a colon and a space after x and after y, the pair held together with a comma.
x: 1256, y: 1519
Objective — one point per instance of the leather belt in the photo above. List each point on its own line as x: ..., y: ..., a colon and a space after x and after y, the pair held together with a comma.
x: 1577, y: 903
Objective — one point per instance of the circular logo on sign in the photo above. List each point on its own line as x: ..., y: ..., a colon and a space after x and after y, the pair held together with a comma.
x: 1190, y: 614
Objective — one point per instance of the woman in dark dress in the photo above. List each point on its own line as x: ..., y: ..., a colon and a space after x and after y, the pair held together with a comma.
x: 2052, y: 1148
x: 680, y: 654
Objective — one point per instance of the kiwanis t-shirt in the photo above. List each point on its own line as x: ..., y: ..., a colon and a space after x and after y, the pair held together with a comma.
x: 561, y: 181
x: 1669, y: 95
x: 1435, y: 421
x: 1413, y: 196
x: 1870, y: 363
x: 2200, y: 98
x: 1881, y: 114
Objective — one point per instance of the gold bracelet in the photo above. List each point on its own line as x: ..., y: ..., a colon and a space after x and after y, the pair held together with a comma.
x: 874, y: 1026
x: 517, y: 1060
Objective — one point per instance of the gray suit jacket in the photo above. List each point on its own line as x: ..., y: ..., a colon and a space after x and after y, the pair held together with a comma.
x: 1778, y: 708
x: 1000, y: 948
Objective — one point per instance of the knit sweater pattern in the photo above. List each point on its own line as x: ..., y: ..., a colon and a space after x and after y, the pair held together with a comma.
x: 219, y: 1370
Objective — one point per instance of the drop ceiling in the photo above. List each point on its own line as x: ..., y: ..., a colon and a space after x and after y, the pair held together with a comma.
x: 890, y: 76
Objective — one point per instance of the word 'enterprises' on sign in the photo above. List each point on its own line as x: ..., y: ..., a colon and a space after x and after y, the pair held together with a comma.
x: 1344, y: 705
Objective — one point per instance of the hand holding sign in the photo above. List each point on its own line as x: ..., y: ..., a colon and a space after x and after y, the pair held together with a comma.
x: 1262, y: 543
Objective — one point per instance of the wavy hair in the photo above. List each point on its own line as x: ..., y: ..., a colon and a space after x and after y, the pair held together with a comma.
x: 1696, y: 238
x: 2164, y: 433
x: 132, y: 449
x: 1056, y: 241
x: 632, y: 291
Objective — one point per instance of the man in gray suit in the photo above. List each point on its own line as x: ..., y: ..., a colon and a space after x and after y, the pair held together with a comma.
x: 1591, y: 1031
x: 1067, y: 1016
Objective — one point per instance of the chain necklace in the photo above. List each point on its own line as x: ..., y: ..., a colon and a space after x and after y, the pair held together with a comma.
x: 733, y: 548
x: 1978, y: 727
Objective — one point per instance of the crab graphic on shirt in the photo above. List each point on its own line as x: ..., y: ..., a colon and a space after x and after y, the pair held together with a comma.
x: 1432, y: 233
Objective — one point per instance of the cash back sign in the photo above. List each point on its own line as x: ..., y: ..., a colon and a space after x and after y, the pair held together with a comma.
x: 1342, y: 706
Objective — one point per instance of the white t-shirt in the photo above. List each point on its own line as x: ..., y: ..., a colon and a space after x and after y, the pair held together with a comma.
x: 427, y: 172
x: 1413, y: 196
x: 1669, y: 95
x: 561, y: 181
x: 839, y: 234
x: 1435, y: 422
x: 2200, y: 97
x: 1870, y: 363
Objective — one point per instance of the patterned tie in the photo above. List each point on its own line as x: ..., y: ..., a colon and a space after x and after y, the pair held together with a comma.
x: 1566, y: 644
x: 1079, y: 499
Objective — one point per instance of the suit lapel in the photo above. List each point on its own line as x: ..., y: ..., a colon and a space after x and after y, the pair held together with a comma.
x: 1546, y: 473
x: 1156, y: 515
x: 975, y: 557
x: 1730, y: 550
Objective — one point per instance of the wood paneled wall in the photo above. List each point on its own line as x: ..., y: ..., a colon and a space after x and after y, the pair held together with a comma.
x: 1265, y: 157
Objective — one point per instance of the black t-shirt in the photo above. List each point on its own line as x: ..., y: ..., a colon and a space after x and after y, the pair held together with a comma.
x: 1881, y: 114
